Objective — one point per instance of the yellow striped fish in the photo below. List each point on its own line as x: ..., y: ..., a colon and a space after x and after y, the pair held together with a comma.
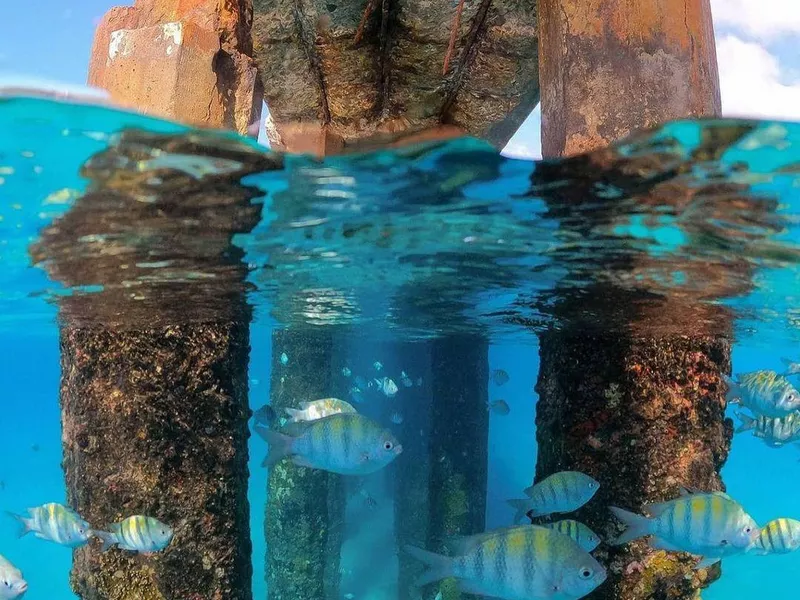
x: 348, y: 444
x: 780, y: 536
x: 774, y: 432
x: 516, y: 563
x: 710, y: 525
x: 56, y: 523
x: 145, y: 535
x: 765, y: 393
x: 559, y: 493
x: 578, y: 532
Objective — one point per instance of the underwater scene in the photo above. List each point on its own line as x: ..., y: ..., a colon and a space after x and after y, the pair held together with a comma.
x: 419, y: 372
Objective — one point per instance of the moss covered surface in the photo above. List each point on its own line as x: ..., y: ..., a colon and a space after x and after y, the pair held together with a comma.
x: 155, y: 423
x: 644, y: 416
x: 305, y: 507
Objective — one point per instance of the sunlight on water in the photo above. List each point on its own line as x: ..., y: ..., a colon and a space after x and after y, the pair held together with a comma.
x: 424, y: 286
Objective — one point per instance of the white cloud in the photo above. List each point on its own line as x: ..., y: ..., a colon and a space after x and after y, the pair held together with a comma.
x: 759, y: 18
x: 521, y: 149
x: 752, y: 84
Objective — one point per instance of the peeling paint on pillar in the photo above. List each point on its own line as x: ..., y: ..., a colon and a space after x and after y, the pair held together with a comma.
x: 609, y: 67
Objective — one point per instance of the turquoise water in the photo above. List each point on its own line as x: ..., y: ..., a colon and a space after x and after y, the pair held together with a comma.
x: 390, y: 253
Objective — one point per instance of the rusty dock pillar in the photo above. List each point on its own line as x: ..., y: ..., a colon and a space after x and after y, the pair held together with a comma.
x: 640, y: 408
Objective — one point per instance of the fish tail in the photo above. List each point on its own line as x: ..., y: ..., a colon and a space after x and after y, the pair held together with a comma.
x: 280, y: 446
x: 109, y: 539
x: 295, y: 415
x: 522, y: 506
x: 636, y: 525
x: 748, y: 422
x: 25, y: 525
x: 439, y: 567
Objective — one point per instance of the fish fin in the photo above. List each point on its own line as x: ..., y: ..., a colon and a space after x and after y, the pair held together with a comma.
x: 280, y: 446
x: 522, y: 506
x: 25, y: 525
x: 656, y: 508
x: 459, y: 545
x: 528, y: 491
x: 636, y: 525
x: 302, y: 462
x: 439, y: 566
x: 295, y: 415
x: 108, y: 539
x: 706, y: 562
x: 748, y: 422
x: 659, y: 544
x: 475, y: 588
x: 733, y: 395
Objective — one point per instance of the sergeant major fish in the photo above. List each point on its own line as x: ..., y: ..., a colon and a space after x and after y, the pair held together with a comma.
x: 12, y: 584
x: 765, y: 393
x: 517, y: 563
x: 710, y: 525
x: 578, y: 532
x: 775, y: 432
x: 318, y: 409
x: 779, y: 536
x: 56, y: 523
x: 559, y: 493
x: 145, y: 535
x: 348, y: 444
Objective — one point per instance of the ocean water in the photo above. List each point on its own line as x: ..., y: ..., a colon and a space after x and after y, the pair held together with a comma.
x: 130, y: 245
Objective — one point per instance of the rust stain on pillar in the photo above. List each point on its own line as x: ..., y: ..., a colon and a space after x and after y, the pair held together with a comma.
x: 609, y: 67
x: 188, y: 60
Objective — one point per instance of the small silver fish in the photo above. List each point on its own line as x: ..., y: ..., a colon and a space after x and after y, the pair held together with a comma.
x: 387, y: 386
x: 397, y: 418
x: 345, y: 443
x: 378, y: 366
x: 346, y: 372
x: 405, y: 379
x: 56, y: 523
x: 12, y: 584
x: 500, y: 407
x: 559, y: 493
x: 369, y: 501
x: 356, y: 395
x: 500, y: 377
x: 284, y: 359
x: 319, y: 409
x: 145, y: 535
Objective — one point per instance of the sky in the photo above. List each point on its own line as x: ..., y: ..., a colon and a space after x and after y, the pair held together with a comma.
x: 757, y: 49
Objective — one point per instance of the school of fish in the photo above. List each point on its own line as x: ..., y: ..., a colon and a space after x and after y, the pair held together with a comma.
x: 61, y: 525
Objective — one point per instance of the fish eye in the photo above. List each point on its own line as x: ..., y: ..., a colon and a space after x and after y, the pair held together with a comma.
x: 592, y: 485
x: 387, y: 445
x: 748, y: 529
x: 586, y: 572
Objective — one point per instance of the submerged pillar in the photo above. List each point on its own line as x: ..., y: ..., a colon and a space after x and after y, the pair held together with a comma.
x: 459, y: 442
x: 305, y: 507
x: 154, y: 355
x: 639, y: 407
